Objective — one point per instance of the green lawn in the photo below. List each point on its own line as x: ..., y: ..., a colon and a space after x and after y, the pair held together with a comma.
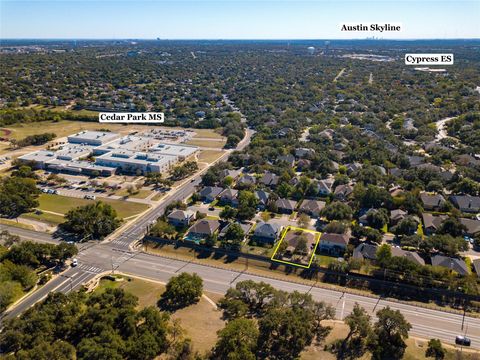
x: 44, y: 217
x: 140, y: 194
x: 62, y: 204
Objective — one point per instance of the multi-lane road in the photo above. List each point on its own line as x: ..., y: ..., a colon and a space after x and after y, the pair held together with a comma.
x: 117, y: 255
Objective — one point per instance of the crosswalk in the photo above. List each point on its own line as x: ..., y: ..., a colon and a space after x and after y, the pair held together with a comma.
x: 90, y: 269
x: 122, y: 242
x: 120, y: 260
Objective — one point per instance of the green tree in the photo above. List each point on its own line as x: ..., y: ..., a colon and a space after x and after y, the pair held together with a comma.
x: 237, y: 341
x: 337, y: 211
x: 228, y: 213
x: 384, y: 254
x: 247, y: 205
x: 452, y: 226
x: 303, y: 220
x: 233, y: 236
x: 358, y: 321
x: 181, y: 291
x: 389, y: 334
x: 435, y: 349
x: 17, y: 196
x: 93, y: 220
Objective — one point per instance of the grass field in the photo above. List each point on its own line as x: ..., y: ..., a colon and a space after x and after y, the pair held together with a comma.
x: 141, y: 194
x: 218, y: 144
x: 62, y: 204
x: 61, y: 128
x: 209, y: 156
x: 200, y: 321
x: 52, y: 219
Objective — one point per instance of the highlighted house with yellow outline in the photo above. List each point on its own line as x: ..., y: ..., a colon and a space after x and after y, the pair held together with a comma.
x: 296, y: 247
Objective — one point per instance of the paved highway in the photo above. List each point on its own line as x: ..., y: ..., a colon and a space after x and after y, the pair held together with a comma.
x: 117, y: 256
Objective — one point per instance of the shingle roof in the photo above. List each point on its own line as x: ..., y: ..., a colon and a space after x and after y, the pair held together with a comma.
x: 286, y: 204
x: 454, y: 264
x: 341, y: 239
x: 204, y: 226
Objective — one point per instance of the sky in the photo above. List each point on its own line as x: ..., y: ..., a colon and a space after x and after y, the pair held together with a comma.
x: 233, y: 19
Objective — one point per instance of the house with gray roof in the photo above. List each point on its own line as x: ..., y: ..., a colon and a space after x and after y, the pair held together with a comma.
x: 342, y: 192
x: 286, y: 206
x: 266, y: 232
x: 181, y: 218
x: 312, y: 207
x: 472, y: 225
x: 466, y: 203
x: 397, y: 215
x: 262, y: 197
x: 431, y: 223
x: 410, y: 255
x: 365, y: 251
x: 334, y: 244
x: 269, y: 179
x: 289, y: 159
x: 229, y: 197
x: 202, y: 229
x: 454, y: 264
x: 210, y: 193
x: 431, y: 201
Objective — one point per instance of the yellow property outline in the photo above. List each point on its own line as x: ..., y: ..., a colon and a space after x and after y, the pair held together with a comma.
x: 287, y: 229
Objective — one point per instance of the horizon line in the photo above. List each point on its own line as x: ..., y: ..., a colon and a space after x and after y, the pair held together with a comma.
x: 242, y: 39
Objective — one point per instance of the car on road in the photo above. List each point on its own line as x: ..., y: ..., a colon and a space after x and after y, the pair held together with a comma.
x: 211, y: 208
x: 74, y: 262
x: 462, y: 340
x: 90, y: 197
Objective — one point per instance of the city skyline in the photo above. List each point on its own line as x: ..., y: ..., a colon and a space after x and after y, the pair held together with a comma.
x: 230, y: 20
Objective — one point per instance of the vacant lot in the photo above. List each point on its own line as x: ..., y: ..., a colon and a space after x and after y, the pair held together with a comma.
x: 209, y: 155
x: 200, y: 321
x: 62, y: 204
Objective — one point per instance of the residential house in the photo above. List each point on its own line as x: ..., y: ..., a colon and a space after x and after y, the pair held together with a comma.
x: 246, y: 227
x: 472, y: 225
x: 476, y: 266
x: 247, y: 180
x: 266, y: 232
x: 334, y: 244
x: 397, y: 215
x: 269, y: 179
x: 365, y: 251
x: 234, y: 174
x: 312, y: 207
x: 210, y: 193
x: 292, y: 239
x: 181, y: 218
x: 303, y: 164
x: 304, y: 152
x: 353, y: 167
x: 324, y: 186
x: 262, y: 197
x: 203, y: 229
x: 431, y: 223
x: 410, y: 255
x: 431, y: 201
x: 466, y: 203
x: 286, y: 206
x: 229, y: 197
x: 289, y: 159
x: 342, y: 192
x: 457, y: 265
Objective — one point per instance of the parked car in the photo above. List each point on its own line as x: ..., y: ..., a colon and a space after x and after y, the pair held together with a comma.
x: 462, y: 340
x: 90, y: 197
x: 45, y: 190
x: 74, y: 262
